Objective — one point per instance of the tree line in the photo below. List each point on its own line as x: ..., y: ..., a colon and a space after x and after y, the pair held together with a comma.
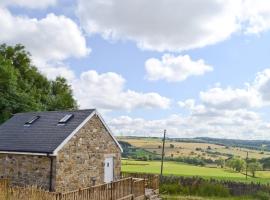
x: 23, y: 88
x: 240, y: 165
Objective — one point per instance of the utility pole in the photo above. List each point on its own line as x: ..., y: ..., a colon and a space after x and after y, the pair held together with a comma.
x: 246, y: 165
x: 162, y: 155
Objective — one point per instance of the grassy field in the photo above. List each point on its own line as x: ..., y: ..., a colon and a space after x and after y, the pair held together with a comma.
x: 181, y: 169
x: 190, y: 149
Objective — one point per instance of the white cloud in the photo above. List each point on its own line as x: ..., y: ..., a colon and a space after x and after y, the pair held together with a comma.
x: 50, y: 40
x: 33, y: 4
x: 54, y: 69
x: 175, y: 68
x: 262, y: 85
x: 254, y: 95
x: 173, y: 25
x: 107, y: 91
x: 140, y: 127
x: 229, y: 112
x: 210, y: 123
x: 159, y: 24
x: 53, y: 39
x: 230, y: 98
x: 256, y: 14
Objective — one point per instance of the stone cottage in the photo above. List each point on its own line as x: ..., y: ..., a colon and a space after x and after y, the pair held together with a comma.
x: 58, y: 150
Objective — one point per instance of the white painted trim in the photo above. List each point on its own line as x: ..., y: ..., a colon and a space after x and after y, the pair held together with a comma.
x: 109, y: 130
x: 25, y: 153
x: 73, y: 133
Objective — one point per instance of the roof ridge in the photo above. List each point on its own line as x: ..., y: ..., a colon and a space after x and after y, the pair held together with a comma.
x: 51, y: 111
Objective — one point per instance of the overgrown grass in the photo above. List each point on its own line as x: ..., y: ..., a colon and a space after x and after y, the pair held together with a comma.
x: 204, y: 190
x: 180, y: 197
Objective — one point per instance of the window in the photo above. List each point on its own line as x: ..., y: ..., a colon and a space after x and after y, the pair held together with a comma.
x: 65, y: 119
x: 31, y: 121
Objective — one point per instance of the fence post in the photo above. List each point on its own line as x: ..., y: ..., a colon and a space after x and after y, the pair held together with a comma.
x: 59, y: 196
x: 112, y: 191
x: 131, y: 188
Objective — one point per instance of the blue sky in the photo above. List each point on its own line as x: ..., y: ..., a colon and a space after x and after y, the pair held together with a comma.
x: 193, y: 68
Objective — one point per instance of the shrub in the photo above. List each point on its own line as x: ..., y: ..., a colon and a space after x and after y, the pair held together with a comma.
x: 144, y: 158
x: 262, y: 195
x: 202, y: 189
x: 170, y: 189
x: 209, y: 190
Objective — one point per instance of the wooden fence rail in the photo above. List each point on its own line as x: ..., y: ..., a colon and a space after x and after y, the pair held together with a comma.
x: 27, y: 193
x: 151, y: 180
x: 138, y: 186
x: 124, y: 189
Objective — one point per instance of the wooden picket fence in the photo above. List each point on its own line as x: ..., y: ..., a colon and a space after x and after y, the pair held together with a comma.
x: 26, y: 193
x: 124, y: 189
x: 151, y: 180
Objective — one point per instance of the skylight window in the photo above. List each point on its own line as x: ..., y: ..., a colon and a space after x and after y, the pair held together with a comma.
x: 31, y: 121
x: 65, y: 119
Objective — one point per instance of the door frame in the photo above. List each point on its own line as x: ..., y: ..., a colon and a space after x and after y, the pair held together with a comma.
x: 112, y: 159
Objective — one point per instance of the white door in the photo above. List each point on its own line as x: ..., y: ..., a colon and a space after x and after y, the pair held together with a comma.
x: 108, y: 170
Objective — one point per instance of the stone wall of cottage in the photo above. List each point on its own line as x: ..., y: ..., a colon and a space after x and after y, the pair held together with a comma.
x: 23, y: 170
x: 80, y: 163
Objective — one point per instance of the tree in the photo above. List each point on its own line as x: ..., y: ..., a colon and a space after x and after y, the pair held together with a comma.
x: 23, y: 88
x: 220, y: 162
x: 61, y: 97
x: 253, y: 167
x: 236, y: 164
x: 265, y: 163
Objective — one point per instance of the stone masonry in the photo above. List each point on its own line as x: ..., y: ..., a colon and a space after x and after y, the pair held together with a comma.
x: 81, y: 160
x: 79, y: 164
x: 26, y: 170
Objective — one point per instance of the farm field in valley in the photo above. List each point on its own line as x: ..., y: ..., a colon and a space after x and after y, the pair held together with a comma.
x: 181, y: 169
x: 193, y: 149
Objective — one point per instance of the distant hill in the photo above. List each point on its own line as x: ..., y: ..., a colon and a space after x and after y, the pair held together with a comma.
x: 260, y: 145
x: 201, y: 151
x: 250, y: 144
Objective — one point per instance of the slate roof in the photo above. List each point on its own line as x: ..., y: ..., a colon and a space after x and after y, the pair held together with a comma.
x: 43, y: 136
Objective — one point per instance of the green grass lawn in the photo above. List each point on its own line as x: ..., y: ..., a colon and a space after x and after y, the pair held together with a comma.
x: 181, y: 169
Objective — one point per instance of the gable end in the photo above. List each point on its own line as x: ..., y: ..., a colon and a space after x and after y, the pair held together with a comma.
x: 95, y: 113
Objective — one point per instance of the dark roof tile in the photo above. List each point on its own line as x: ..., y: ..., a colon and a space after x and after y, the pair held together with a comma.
x: 43, y: 136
